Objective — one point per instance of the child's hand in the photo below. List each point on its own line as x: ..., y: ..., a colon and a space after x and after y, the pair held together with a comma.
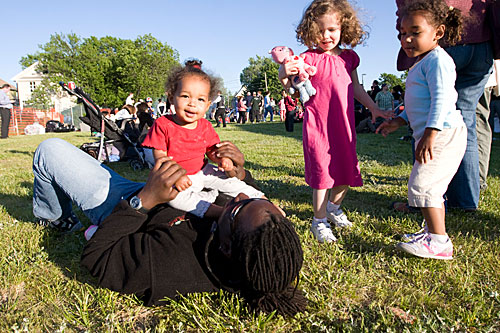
x: 226, y: 164
x: 227, y: 151
x: 390, y: 126
x: 424, y: 150
x: 183, y: 183
x: 291, y: 67
x: 376, y: 112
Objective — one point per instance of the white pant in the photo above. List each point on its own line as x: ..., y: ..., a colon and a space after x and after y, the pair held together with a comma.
x: 196, y: 201
x: 428, y: 182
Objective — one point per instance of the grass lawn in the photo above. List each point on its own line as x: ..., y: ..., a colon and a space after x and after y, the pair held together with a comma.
x: 360, y: 283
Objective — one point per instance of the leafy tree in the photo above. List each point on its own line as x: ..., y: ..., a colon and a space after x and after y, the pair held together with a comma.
x: 393, y: 80
x: 253, y: 76
x: 107, y: 68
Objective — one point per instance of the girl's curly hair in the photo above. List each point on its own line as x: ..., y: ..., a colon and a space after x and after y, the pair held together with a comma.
x: 351, y: 34
x: 437, y: 12
x: 191, y: 67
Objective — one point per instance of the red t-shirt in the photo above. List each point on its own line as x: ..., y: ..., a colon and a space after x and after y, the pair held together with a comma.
x: 186, y: 146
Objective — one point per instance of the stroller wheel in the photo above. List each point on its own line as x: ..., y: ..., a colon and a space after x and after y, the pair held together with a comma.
x: 136, y: 165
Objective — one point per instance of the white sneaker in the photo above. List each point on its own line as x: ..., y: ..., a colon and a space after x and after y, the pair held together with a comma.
x: 323, y: 232
x: 415, y: 235
x: 339, y: 219
x: 425, y: 247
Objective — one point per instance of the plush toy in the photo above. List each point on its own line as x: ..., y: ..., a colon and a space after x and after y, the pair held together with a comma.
x: 300, y: 81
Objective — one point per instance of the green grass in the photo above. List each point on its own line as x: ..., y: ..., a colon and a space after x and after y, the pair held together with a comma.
x: 358, y: 284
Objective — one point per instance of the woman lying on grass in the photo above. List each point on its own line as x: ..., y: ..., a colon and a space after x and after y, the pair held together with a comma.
x: 141, y: 248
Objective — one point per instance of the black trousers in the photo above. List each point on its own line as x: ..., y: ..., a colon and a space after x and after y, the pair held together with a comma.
x: 221, y: 112
x: 5, y: 116
x: 243, y: 117
x: 289, y: 117
x: 254, y: 115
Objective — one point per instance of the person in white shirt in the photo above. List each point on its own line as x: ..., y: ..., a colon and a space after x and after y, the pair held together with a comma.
x: 5, y: 109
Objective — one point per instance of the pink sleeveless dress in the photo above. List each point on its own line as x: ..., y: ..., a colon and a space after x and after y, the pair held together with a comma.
x: 329, y: 134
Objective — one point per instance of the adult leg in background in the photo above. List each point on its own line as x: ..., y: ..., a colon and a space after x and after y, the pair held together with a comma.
x: 473, y: 64
x: 289, y: 119
x: 494, y: 111
x: 65, y: 174
x: 484, y: 134
x: 5, y: 116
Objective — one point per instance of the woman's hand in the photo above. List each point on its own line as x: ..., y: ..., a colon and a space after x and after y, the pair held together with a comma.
x: 160, y: 187
x: 227, y: 149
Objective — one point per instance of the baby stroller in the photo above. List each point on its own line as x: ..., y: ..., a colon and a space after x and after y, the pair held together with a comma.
x: 112, y: 137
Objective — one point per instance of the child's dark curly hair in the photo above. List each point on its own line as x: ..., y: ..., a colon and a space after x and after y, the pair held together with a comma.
x: 437, y: 12
x: 191, y: 67
x: 351, y: 34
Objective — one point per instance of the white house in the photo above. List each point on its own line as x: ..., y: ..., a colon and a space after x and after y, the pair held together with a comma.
x: 29, y: 79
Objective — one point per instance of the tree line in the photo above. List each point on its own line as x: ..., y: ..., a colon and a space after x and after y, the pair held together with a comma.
x: 107, y: 68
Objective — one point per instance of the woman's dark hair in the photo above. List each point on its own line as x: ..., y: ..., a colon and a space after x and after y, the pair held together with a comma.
x: 269, y: 261
x: 142, y: 107
x: 437, y: 12
x: 351, y: 33
x: 191, y: 67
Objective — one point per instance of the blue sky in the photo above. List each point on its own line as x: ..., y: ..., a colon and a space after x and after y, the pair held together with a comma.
x: 222, y: 33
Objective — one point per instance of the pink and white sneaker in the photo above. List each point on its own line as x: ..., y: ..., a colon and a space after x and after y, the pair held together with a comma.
x: 90, y: 231
x: 424, y: 247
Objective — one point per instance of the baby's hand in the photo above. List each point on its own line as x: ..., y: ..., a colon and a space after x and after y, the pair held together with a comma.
x: 183, y: 183
x: 226, y: 164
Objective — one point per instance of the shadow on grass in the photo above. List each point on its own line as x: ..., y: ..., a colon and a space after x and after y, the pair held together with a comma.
x: 479, y: 224
x: 65, y: 251
x: 16, y: 205
x: 388, y: 151
x: 290, y: 171
x: 273, y: 128
x: 21, y: 152
x: 494, y: 170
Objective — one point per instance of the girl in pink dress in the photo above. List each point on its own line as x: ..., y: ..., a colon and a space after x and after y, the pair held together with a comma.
x: 329, y: 136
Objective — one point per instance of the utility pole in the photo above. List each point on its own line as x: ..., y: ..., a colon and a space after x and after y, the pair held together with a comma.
x: 265, y: 79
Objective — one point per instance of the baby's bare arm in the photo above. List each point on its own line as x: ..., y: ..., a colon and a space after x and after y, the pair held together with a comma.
x: 157, y: 153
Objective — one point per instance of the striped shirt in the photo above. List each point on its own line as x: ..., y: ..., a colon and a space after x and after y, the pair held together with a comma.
x: 384, y: 100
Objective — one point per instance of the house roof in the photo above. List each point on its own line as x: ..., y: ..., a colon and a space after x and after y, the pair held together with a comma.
x: 28, y: 73
x: 2, y: 82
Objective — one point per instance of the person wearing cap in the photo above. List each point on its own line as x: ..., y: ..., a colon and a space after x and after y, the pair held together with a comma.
x: 5, y: 109
x: 151, y: 111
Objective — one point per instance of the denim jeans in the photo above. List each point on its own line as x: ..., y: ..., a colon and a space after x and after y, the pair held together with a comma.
x: 268, y: 110
x: 473, y: 64
x: 64, y: 175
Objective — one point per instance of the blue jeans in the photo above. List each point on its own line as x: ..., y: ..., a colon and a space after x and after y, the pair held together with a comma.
x: 268, y: 110
x: 473, y: 64
x: 65, y: 174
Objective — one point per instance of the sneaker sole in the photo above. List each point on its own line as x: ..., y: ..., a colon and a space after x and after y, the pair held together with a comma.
x: 409, y: 250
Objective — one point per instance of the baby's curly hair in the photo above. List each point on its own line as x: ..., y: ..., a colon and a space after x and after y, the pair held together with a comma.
x: 437, y: 12
x: 352, y: 32
x: 191, y: 67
